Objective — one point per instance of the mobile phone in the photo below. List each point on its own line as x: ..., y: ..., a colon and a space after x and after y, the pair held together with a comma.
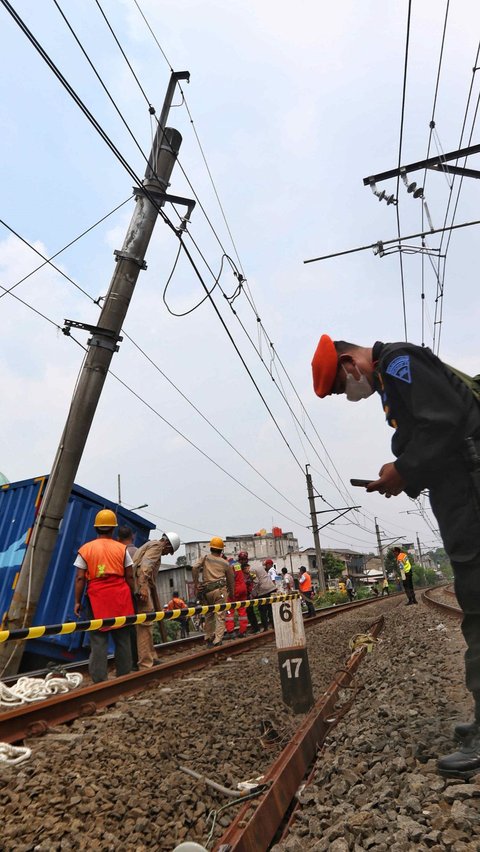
x: 362, y: 483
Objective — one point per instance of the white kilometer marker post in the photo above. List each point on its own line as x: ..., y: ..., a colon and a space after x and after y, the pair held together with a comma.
x: 293, y: 655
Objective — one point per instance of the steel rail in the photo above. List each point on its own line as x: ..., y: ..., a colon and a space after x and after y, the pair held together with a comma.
x: 39, y: 717
x: 429, y: 598
x: 168, y: 648
x: 255, y: 831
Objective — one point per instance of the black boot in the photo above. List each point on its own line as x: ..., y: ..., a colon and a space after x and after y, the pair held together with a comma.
x: 464, y: 763
x: 465, y: 730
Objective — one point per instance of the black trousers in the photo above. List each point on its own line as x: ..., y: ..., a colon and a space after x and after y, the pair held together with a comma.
x: 265, y: 610
x: 408, y: 586
x: 467, y: 590
x: 310, y: 606
x: 252, y: 619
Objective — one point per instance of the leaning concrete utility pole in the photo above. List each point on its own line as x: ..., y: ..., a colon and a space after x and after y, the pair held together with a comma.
x: 102, y: 345
x: 380, y: 549
x: 316, y: 537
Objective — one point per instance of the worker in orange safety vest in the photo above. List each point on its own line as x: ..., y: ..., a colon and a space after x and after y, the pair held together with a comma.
x: 305, y: 583
x: 104, y: 571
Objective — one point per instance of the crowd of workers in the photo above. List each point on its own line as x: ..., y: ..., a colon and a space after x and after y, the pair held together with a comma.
x: 114, y: 578
x: 120, y: 579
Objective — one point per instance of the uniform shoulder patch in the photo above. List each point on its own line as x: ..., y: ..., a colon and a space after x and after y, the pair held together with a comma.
x: 399, y: 368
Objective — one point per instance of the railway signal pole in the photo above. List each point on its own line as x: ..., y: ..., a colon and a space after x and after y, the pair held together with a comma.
x: 102, y: 345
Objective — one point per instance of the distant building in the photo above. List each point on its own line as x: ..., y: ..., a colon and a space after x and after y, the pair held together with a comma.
x: 276, y: 545
x: 172, y: 578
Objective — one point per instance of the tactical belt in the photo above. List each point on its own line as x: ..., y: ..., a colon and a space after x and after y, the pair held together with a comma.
x: 215, y: 584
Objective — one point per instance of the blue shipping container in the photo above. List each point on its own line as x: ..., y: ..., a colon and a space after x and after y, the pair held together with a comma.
x: 19, y: 503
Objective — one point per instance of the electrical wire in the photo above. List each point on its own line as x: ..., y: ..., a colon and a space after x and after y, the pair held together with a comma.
x: 440, y: 286
x: 48, y: 261
x: 222, y: 210
x: 212, y: 425
x: 130, y: 171
x: 82, y: 106
x: 192, y: 123
x: 149, y: 104
x: 404, y: 92
x: 425, y: 174
x: 99, y: 78
x: 174, y: 428
x: 7, y: 5
x: 150, y: 360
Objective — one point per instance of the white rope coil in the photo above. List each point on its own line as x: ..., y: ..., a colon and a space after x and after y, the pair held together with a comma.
x: 28, y: 689
x: 14, y: 754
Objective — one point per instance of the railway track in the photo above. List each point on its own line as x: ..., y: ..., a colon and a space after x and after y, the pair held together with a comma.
x: 76, y: 747
x: 440, y: 598
x: 39, y: 717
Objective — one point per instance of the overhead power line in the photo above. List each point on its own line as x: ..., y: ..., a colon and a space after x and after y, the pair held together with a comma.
x: 402, y: 116
x: 132, y: 173
x: 244, y: 282
x: 380, y: 243
x: 48, y: 261
x: 167, y: 422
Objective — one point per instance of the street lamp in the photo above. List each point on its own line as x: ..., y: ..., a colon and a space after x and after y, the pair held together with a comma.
x: 143, y: 506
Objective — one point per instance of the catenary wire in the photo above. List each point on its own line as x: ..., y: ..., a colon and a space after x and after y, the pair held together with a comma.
x: 52, y: 322
x: 82, y: 106
x: 149, y: 104
x: 144, y: 354
x: 222, y: 210
x: 167, y: 422
x: 223, y: 213
x: 99, y: 78
x: 212, y: 425
x: 169, y: 521
x: 440, y: 286
x: 48, y: 261
x: 404, y: 92
x: 425, y: 174
x: 131, y: 172
x: 191, y: 260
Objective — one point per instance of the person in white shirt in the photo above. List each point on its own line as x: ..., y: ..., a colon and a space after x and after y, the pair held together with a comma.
x: 288, y: 582
x: 270, y: 569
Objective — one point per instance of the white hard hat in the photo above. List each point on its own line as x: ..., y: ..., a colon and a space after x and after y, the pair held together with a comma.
x: 174, y: 540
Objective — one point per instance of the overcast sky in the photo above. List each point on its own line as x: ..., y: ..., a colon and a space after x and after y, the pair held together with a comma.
x: 293, y: 104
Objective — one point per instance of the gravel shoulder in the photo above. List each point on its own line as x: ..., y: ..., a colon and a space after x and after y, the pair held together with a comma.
x: 112, y: 782
x: 375, y: 784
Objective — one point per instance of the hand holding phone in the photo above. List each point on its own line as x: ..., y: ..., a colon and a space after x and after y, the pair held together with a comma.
x: 362, y: 483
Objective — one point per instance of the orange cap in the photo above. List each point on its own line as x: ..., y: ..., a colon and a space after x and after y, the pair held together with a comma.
x: 324, y: 366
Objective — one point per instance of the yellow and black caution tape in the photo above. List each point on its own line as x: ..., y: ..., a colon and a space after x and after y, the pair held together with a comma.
x: 25, y: 633
x: 362, y: 640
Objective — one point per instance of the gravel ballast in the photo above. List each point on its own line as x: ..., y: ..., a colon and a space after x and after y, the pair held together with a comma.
x: 375, y: 784
x: 112, y: 782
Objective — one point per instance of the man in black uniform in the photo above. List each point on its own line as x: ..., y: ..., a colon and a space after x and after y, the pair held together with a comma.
x: 436, y: 418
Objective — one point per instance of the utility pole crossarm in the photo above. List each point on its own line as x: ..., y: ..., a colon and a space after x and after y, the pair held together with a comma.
x: 431, y: 162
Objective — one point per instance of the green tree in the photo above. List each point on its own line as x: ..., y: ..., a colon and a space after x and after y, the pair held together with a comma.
x: 390, y: 562
x: 333, y: 566
x: 431, y: 577
x: 418, y: 575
